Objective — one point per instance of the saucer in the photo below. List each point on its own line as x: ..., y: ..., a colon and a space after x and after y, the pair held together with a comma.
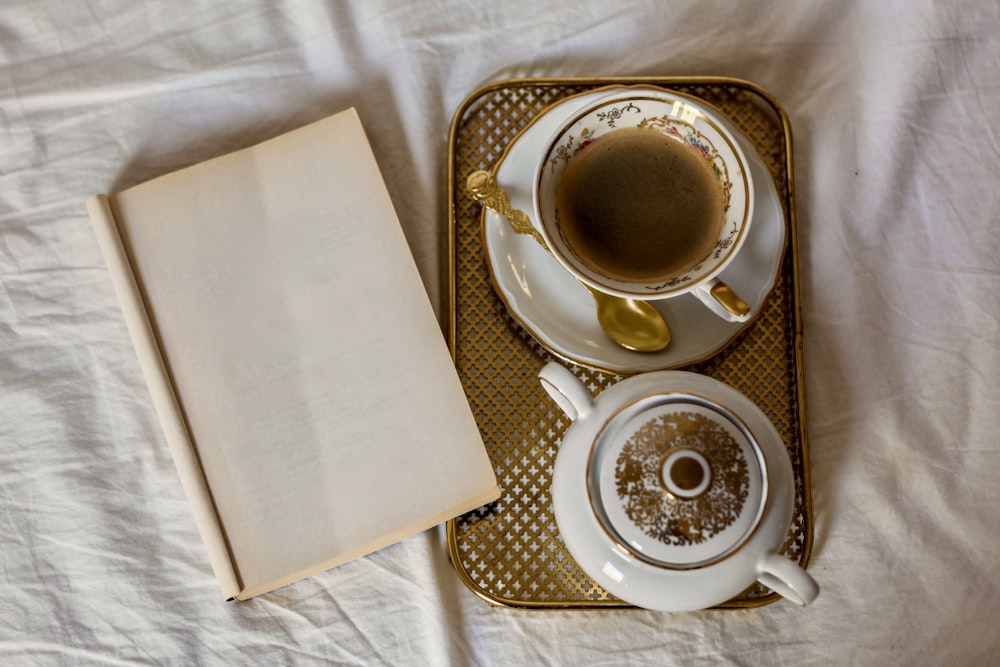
x: 552, y: 306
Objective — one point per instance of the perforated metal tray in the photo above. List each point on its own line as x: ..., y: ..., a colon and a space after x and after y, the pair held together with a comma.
x: 509, y: 552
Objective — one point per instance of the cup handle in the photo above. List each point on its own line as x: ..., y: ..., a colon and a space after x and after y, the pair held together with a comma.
x: 722, y: 300
x: 566, y: 390
x: 787, y: 579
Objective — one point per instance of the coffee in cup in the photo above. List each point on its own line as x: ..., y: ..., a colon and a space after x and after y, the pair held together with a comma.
x: 640, y: 206
x: 646, y: 197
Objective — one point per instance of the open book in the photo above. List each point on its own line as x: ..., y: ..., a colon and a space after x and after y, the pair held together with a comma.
x: 293, y: 357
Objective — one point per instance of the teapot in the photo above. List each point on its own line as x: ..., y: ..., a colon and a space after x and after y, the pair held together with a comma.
x: 673, y: 491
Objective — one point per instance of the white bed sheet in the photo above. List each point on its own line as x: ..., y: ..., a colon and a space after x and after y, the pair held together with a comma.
x: 894, y: 106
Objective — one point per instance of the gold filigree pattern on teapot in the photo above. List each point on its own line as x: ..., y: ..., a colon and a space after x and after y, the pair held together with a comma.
x: 641, y: 469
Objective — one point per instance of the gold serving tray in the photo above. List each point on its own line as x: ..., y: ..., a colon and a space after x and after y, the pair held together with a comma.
x: 509, y: 552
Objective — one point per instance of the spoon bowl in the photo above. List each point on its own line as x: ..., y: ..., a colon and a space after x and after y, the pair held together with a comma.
x: 633, y: 324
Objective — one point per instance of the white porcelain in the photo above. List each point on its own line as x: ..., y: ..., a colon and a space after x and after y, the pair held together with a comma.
x: 678, y: 118
x: 673, y: 491
x: 559, y: 313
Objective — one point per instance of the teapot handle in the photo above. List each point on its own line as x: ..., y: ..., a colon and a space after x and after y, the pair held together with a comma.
x: 787, y: 579
x: 566, y: 390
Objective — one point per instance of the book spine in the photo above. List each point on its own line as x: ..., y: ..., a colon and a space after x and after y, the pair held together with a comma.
x: 168, y: 409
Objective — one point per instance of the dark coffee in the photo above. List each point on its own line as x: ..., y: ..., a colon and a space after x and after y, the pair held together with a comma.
x: 638, y: 206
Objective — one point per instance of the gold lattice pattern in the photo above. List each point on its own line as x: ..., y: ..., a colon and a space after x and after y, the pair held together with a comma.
x: 509, y: 551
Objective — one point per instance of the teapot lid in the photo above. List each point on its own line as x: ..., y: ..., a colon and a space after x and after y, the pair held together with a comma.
x: 677, y: 480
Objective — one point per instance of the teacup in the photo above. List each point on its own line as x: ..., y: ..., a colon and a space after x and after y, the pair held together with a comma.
x: 646, y: 196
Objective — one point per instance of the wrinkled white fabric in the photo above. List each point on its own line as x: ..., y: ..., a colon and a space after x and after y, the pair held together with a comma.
x: 894, y: 107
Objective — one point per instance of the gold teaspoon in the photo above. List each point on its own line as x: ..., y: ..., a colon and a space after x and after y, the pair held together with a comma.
x: 633, y: 324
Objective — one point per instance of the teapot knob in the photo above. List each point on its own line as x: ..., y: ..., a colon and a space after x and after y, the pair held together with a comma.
x: 566, y: 390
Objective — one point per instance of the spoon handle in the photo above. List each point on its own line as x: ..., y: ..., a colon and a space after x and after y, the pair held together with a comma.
x: 482, y: 186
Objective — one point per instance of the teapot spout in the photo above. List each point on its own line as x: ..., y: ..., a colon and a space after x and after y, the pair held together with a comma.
x: 566, y: 390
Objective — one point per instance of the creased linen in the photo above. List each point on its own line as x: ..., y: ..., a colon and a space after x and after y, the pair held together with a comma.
x: 894, y: 108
